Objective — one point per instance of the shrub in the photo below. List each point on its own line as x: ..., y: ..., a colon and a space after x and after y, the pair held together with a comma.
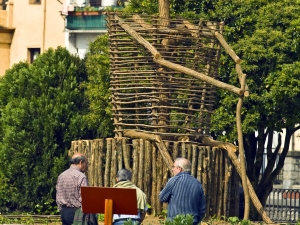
x: 41, y: 112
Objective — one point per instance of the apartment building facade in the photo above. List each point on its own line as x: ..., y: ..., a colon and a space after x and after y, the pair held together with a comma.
x: 30, y: 27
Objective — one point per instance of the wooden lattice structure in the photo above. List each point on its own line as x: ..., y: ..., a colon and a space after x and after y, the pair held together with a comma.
x: 149, y: 97
x: 163, y: 81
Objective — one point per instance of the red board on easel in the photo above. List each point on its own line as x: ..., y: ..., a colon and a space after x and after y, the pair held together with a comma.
x: 109, y: 201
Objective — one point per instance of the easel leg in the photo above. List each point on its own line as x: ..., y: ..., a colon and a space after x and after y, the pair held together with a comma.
x: 108, y: 214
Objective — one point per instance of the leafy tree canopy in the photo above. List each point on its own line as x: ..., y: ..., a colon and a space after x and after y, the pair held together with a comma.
x: 97, y: 88
x: 265, y: 35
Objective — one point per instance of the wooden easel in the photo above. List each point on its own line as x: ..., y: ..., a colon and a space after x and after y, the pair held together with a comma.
x: 109, y: 201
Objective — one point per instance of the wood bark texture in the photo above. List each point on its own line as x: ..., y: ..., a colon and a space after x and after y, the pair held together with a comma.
x: 163, y: 73
x: 150, y: 172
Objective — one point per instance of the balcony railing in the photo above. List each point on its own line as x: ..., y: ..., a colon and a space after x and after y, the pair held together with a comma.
x: 86, y: 21
x: 88, y: 18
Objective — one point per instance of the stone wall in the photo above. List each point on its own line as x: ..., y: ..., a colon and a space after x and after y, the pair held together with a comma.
x: 291, y: 170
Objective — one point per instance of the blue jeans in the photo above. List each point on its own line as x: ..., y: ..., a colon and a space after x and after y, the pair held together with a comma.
x: 67, y: 215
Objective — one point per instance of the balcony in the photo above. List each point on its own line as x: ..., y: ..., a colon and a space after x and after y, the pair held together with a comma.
x: 93, y: 20
x: 90, y: 17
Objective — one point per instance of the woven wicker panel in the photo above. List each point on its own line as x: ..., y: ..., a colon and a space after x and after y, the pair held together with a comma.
x: 148, y: 97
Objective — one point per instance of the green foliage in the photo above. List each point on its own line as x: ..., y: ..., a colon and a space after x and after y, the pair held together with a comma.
x: 27, y: 219
x: 4, y: 220
x: 265, y: 35
x: 269, y: 49
x: 87, y: 8
x: 180, y: 220
x: 4, y: 189
x: 233, y: 220
x: 97, y: 88
x: 142, y: 6
x: 130, y: 222
x: 48, y: 207
x: 100, y: 217
x: 41, y: 107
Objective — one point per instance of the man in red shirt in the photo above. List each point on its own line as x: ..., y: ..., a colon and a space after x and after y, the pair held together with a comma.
x: 68, y: 195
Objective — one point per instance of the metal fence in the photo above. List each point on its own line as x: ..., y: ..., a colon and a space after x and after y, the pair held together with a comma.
x: 283, y: 205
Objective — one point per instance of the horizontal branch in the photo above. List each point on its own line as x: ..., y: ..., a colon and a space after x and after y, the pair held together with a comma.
x: 199, y: 76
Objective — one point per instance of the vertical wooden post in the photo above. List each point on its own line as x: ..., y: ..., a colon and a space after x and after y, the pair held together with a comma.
x: 108, y: 212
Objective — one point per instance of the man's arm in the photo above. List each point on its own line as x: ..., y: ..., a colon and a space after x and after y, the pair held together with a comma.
x: 165, y: 194
x: 202, y: 206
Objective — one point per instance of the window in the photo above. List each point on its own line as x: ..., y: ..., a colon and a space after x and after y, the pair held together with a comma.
x: 3, y: 4
x: 33, y: 53
x: 36, y: 2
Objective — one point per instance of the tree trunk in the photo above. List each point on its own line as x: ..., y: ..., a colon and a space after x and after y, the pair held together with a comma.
x: 265, y: 185
x: 164, y: 12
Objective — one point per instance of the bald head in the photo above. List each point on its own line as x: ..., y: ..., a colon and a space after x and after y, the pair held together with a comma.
x: 80, y: 161
x: 77, y: 154
x: 77, y: 157
x: 184, y: 164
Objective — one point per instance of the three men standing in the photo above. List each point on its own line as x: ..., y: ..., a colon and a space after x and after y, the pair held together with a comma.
x: 183, y: 192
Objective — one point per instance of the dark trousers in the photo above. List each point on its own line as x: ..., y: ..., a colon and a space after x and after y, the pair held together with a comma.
x: 67, y: 215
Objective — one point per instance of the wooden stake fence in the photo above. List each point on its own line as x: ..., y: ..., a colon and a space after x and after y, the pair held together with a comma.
x: 209, y: 165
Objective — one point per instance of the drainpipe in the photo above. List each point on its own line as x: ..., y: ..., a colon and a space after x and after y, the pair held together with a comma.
x: 44, y: 28
x: 293, y: 141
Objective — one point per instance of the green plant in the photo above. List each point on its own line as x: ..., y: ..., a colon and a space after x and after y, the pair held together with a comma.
x: 101, y: 217
x: 90, y: 8
x: 180, y: 220
x: 97, y: 88
x: 4, y: 220
x: 41, y: 107
x: 48, y: 207
x: 245, y: 222
x: 130, y: 222
x: 233, y: 220
x: 87, y: 8
x: 163, y: 214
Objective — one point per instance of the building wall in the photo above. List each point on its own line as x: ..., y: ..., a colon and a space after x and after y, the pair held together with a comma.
x: 36, y: 26
x: 291, y: 168
x: 6, y: 35
x: 4, y: 56
x: 77, y: 43
x: 294, y: 142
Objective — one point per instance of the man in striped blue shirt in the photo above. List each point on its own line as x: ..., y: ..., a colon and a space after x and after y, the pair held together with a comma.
x: 184, y: 193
